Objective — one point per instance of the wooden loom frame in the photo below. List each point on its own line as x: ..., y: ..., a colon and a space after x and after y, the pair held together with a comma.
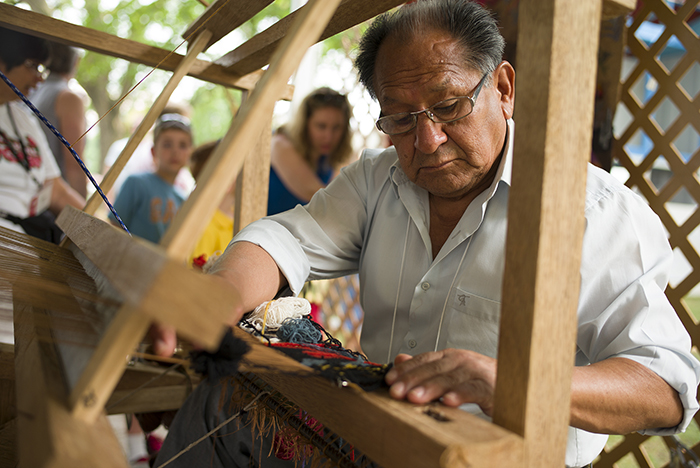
x: 557, y: 47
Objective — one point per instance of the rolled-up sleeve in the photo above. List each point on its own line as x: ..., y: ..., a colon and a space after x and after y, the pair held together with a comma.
x: 322, y: 239
x: 623, y: 310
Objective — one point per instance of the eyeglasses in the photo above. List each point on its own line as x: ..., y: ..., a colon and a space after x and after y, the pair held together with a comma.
x: 445, y: 111
x: 38, y: 68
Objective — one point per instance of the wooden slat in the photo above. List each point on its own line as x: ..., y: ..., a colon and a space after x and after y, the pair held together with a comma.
x: 107, y: 363
x: 149, y: 119
x: 557, y: 43
x: 256, y: 52
x: 143, y: 388
x: 165, y: 289
x: 153, y: 287
x: 229, y: 155
x: 223, y: 16
x: 89, y: 39
x: 401, y: 435
x: 48, y: 434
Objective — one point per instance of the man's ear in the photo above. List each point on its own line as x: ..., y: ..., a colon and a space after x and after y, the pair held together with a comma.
x: 505, y: 83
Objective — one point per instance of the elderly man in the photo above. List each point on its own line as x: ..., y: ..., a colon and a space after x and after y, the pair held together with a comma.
x: 424, y: 224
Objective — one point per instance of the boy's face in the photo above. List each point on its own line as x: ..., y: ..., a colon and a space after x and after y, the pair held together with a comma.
x: 171, y: 151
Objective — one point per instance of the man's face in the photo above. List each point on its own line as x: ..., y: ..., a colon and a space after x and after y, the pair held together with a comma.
x: 449, y: 160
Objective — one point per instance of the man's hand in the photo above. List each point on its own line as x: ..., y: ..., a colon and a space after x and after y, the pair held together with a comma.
x: 453, y: 375
x: 163, y: 339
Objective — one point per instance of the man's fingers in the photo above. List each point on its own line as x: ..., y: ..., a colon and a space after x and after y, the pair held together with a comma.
x: 408, y: 374
x: 393, y: 374
x: 455, y: 376
x: 164, y: 339
x: 402, y: 358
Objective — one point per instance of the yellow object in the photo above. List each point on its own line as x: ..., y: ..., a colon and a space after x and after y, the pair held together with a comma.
x: 216, y: 237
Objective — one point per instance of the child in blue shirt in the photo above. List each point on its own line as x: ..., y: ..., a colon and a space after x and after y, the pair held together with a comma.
x: 148, y: 202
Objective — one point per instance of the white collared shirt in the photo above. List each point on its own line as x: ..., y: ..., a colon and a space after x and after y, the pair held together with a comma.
x: 371, y: 219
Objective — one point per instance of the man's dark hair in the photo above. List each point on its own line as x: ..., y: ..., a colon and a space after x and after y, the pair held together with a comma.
x: 16, y: 47
x: 63, y: 58
x: 468, y: 22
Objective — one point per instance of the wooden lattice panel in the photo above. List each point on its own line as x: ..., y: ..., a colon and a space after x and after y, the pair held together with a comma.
x: 658, y: 146
x: 340, y: 311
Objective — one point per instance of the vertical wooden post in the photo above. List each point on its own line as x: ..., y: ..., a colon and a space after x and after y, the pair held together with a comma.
x: 253, y: 180
x: 557, y: 56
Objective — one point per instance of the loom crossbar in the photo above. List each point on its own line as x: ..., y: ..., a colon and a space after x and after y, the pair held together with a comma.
x: 391, y: 433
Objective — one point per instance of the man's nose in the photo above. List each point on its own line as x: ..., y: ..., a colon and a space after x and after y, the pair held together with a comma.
x: 429, y: 135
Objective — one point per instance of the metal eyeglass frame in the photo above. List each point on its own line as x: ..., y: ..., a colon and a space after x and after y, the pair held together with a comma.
x: 429, y: 113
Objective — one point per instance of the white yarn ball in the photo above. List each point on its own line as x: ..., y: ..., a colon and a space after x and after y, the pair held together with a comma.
x: 278, y: 311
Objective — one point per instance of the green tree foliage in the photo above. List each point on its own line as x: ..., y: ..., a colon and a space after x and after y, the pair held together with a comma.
x: 160, y: 23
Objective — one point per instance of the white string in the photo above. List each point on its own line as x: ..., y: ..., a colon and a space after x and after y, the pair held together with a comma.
x: 189, y: 447
x: 211, y: 261
x: 398, y: 290
x: 444, y: 307
x: 279, y: 310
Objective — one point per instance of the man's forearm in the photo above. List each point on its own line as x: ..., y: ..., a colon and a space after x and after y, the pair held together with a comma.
x: 252, y: 271
x: 619, y: 396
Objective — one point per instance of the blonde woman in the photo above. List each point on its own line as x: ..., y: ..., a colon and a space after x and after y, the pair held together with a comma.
x: 309, y: 151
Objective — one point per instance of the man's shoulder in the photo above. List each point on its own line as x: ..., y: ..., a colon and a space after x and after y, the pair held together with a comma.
x: 601, y: 186
x: 379, y: 153
x: 378, y: 158
x: 374, y: 164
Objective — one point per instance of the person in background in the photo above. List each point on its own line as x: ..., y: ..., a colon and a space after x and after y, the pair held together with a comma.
x: 307, y: 153
x: 65, y: 108
x: 32, y: 191
x: 148, y: 202
x: 142, y: 159
x: 219, y: 231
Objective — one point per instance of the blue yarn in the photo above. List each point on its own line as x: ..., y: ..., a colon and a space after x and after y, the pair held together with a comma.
x: 67, y: 145
x: 298, y: 330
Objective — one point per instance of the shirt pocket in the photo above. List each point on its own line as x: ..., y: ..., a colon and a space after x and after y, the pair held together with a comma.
x: 473, y: 323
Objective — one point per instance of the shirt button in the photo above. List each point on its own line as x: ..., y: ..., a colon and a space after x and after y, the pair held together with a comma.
x: 425, y: 286
x: 412, y: 344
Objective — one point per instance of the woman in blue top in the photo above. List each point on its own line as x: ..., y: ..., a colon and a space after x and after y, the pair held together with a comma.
x: 308, y: 152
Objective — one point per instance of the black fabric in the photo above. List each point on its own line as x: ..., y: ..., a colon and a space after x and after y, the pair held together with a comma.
x: 224, y: 362
x: 42, y: 226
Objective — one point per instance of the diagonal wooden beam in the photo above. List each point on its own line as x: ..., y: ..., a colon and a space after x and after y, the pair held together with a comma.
x: 256, y: 52
x: 49, y: 435
x: 30, y: 22
x: 153, y: 287
x: 223, y: 16
x: 226, y: 161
